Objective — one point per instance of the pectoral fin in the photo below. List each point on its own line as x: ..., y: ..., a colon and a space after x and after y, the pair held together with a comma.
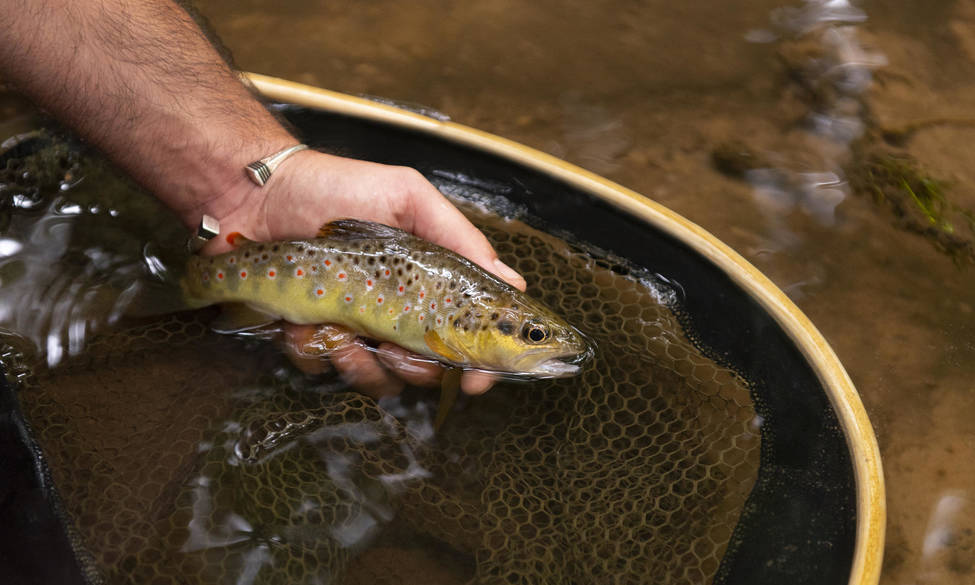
x: 439, y: 347
x: 238, y: 317
x: 449, y: 388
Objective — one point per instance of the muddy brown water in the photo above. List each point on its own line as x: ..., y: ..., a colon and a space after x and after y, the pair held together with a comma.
x: 643, y: 93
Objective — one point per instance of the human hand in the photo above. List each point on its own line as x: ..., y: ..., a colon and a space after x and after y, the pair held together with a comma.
x: 312, y: 189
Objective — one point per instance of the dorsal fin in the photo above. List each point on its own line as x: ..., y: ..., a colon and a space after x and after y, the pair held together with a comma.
x: 357, y: 229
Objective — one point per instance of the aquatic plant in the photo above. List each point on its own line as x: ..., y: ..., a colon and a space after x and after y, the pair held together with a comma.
x: 918, y: 200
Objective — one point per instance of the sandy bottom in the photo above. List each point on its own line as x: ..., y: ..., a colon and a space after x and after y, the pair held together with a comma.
x: 643, y: 93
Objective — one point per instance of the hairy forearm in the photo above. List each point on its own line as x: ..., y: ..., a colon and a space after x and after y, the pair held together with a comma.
x: 140, y: 80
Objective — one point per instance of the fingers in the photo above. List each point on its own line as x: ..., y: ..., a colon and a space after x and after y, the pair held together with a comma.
x: 298, y: 340
x: 359, y: 367
x: 437, y: 220
x: 409, y: 367
x: 476, y: 382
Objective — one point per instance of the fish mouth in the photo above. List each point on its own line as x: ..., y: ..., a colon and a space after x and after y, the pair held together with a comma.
x: 556, y: 368
x: 562, y: 366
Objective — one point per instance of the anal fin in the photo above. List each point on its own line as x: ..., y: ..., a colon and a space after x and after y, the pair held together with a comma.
x: 449, y: 389
x: 238, y: 317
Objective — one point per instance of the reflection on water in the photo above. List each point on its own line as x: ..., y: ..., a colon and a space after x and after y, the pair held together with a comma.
x: 71, y: 259
x: 948, y: 545
x: 187, y: 456
x: 831, y: 70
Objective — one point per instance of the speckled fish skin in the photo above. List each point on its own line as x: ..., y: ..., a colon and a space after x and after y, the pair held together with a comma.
x: 388, y: 285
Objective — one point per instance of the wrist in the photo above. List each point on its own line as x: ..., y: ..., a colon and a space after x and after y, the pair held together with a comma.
x: 217, y: 184
x: 251, y: 210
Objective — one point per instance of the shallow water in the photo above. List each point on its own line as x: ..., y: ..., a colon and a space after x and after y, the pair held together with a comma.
x: 644, y: 93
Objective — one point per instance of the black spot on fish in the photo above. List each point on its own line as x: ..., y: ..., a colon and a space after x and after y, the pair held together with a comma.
x: 494, y: 316
x: 467, y: 295
x: 395, y: 261
x: 370, y: 261
x: 311, y: 253
x: 275, y: 248
x: 399, y: 272
x: 260, y: 248
x: 264, y: 257
x: 382, y: 259
x: 367, y: 247
x: 506, y: 327
x: 439, y: 285
x: 247, y: 254
x: 452, y: 285
x: 409, y: 266
x: 355, y: 261
x: 378, y: 272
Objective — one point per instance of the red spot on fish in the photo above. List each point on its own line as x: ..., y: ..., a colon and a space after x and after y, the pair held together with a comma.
x: 243, y: 274
x: 422, y: 294
x: 299, y: 272
x: 342, y: 275
x: 433, y: 306
x: 387, y: 272
x: 231, y: 260
x: 421, y: 316
x: 348, y: 299
x: 290, y: 258
x: 401, y: 288
x: 379, y: 300
x: 447, y: 300
x: 271, y: 274
x: 314, y: 268
x: 328, y: 262
x: 406, y: 309
x: 220, y: 275
x: 369, y: 283
x: 362, y: 309
x: 439, y: 320
x: 320, y: 292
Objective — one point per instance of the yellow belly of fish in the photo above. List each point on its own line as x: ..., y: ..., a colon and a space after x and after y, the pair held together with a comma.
x: 371, y: 312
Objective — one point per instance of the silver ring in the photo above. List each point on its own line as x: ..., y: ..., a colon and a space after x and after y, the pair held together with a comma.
x: 209, y: 228
x: 260, y: 171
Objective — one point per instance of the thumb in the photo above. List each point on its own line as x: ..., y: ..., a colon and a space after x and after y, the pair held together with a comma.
x: 437, y: 220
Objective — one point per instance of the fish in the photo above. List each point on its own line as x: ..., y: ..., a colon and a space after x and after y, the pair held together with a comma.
x: 386, y: 284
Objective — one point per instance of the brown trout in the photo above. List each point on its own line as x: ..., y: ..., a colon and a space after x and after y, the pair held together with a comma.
x: 388, y: 285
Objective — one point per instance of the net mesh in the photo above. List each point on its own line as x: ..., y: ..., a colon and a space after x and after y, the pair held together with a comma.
x: 183, y: 456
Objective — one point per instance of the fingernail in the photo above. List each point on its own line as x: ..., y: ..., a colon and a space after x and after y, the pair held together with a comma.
x: 506, y: 271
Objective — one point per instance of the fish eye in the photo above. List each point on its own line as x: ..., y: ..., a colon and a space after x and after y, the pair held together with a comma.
x: 534, y: 333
